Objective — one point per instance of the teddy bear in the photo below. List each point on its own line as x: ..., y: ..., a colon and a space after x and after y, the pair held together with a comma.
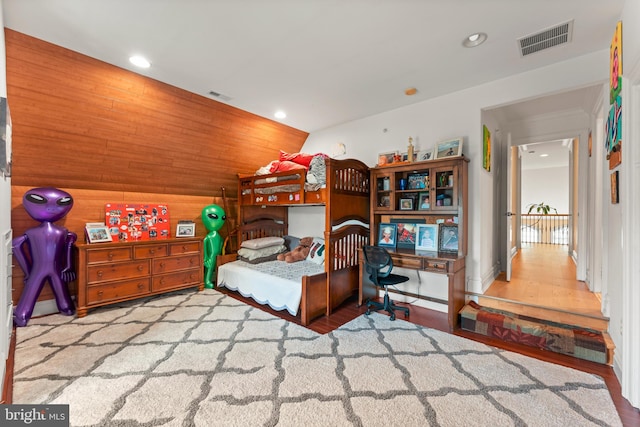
x: 299, y: 253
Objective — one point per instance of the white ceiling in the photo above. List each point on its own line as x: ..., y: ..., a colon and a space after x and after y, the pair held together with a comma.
x: 324, y: 62
x: 549, y: 154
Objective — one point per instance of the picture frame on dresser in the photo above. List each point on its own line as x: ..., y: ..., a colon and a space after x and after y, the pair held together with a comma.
x: 98, y: 233
x: 186, y: 229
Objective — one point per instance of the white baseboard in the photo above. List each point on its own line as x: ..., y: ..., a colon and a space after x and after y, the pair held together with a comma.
x: 490, y: 276
x: 43, y: 308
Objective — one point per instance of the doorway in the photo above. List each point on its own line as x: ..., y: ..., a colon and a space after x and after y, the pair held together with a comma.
x: 543, y: 274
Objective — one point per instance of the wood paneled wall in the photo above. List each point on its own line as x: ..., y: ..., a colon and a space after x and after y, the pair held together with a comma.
x: 105, y: 134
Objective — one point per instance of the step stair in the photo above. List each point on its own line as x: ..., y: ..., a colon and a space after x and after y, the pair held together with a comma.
x: 585, y: 321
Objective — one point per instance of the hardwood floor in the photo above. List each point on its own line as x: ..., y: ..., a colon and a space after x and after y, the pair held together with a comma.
x: 543, y: 285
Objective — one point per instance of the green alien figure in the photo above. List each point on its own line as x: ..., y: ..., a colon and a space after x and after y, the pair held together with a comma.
x: 213, y: 218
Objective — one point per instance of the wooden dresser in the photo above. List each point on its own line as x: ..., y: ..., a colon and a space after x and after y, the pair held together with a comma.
x: 116, y: 272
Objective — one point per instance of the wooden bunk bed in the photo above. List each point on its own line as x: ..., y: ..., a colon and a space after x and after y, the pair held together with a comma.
x: 263, y: 212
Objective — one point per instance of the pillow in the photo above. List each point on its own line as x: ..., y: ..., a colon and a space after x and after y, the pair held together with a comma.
x: 252, y: 254
x: 316, y: 251
x: 299, y: 158
x: 259, y: 260
x: 317, y: 171
x: 283, y: 166
x: 291, y: 242
x: 262, y: 242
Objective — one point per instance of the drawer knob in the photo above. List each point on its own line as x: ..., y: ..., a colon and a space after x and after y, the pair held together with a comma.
x: 162, y: 265
x: 184, y: 248
x: 140, y: 268
x: 140, y: 285
x: 110, y: 256
x: 99, y: 273
x: 152, y: 251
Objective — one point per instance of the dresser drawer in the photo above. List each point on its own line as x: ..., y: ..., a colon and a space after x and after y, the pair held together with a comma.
x: 166, y: 265
x: 175, y: 280
x: 109, y: 255
x: 413, y: 263
x: 118, y: 290
x: 117, y: 271
x: 150, y: 251
x: 184, y: 248
x: 435, y: 265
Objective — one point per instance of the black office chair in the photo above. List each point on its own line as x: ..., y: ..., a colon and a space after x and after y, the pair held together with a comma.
x: 379, y: 264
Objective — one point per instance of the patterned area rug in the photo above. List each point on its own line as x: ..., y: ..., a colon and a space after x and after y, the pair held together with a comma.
x: 206, y: 359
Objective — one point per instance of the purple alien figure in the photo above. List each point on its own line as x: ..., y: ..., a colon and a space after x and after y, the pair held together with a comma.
x: 44, y: 252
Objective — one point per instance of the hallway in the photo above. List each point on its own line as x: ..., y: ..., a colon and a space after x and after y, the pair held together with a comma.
x: 543, y: 285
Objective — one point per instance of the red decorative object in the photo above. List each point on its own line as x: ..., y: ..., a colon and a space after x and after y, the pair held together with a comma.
x: 137, y: 221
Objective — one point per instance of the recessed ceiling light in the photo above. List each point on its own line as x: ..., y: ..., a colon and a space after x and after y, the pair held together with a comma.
x: 140, y: 61
x: 474, y: 40
x: 544, y: 155
x: 280, y: 115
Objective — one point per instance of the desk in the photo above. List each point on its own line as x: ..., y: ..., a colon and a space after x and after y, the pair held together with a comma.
x: 452, y: 265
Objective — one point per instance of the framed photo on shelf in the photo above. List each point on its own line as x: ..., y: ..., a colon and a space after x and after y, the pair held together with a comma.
x: 387, y: 235
x: 449, y: 148
x: 186, y: 229
x: 406, y: 204
x: 448, y: 238
x: 424, y: 155
x: 427, y: 237
x: 418, y: 181
x: 423, y: 201
x: 406, y: 235
x: 98, y: 233
x: 386, y: 158
x: 385, y: 201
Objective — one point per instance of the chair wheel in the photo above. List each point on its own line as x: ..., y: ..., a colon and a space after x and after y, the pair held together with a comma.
x: 392, y: 317
x: 368, y: 312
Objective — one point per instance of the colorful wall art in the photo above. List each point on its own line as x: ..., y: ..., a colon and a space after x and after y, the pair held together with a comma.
x: 615, y: 63
x: 130, y: 222
x: 486, y: 149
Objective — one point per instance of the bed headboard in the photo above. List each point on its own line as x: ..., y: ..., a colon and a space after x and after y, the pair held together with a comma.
x: 348, y: 184
x: 255, y: 222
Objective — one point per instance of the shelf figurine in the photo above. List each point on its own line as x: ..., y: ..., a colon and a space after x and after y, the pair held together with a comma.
x: 44, y: 252
x: 410, y: 150
x: 213, y: 218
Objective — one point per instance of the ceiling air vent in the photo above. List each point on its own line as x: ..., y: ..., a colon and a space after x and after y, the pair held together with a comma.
x: 219, y: 96
x: 545, y: 39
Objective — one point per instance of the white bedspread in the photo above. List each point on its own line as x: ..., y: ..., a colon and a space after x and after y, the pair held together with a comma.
x: 275, y: 283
